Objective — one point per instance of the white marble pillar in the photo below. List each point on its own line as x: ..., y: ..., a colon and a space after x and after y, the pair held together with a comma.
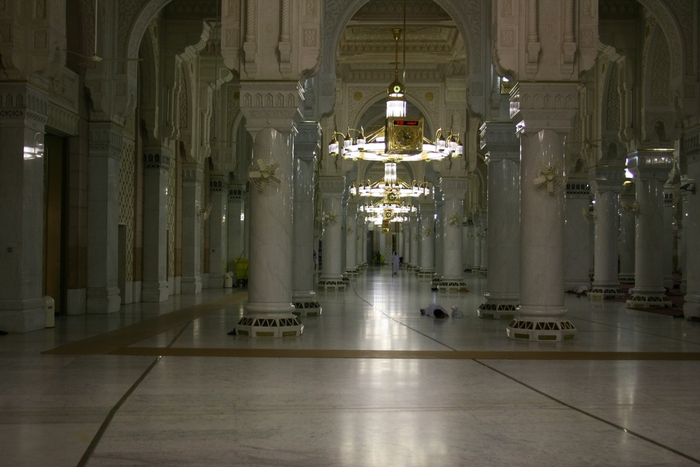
x: 236, y: 226
x: 359, y: 244
x: 365, y: 252
x: 502, y: 147
x: 453, y: 191
x: 469, y: 244
x: 351, y: 239
x: 103, y: 217
x: 668, y: 239
x: 650, y: 168
x: 156, y: 165
x: 683, y: 242
x: 478, y: 233
x: 192, y: 210
x: 415, y: 244
x: 439, y: 237
x: 427, y: 230
x: 577, y: 234
x: 606, y: 183
x: 218, y: 230
x: 407, y: 244
x: 22, y: 207
x: 484, y: 263
x: 331, y: 192
x: 691, y: 224
x: 306, y: 146
x: 543, y: 113
x: 627, y: 233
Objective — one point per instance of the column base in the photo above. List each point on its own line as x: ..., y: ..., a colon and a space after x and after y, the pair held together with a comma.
x: 497, y: 310
x: 649, y: 300
x: 31, y: 316
x: 103, y: 300
x: 541, y: 329
x: 626, y: 278
x: 453, y: 285
x: 332, y: 283
x: 352, y: 273
x: 307, y: 308
x: 599, y: 292
x: 190, y: 286
x: 154, y: 292
x: 691, y: 307
x: 426, y: 273
x: 263, y: 325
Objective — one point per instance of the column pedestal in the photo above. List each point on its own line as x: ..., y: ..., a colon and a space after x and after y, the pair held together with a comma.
x: 503, y: 232
x: 650, y: 168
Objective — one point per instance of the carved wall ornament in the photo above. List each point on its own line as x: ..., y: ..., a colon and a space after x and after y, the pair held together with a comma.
x: 263, y: 173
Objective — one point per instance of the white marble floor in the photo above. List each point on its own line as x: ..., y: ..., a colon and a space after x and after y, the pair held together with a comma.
x: 141, y: 410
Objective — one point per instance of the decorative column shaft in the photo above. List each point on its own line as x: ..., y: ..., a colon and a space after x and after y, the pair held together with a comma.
x: 218, y: 229
x: 236, y: 229
x: 627, y: 234
x: 23, y: 114
x: 478, y: 233
x: 332, y: 191
x: 156, y: 164
x: 103, y: 217
x: 668, y: 237
x: 427, y: 231
x: 192, y: 179
x: 650, y: 168
x: 577, y: 235
x: 439, y: 238
x: 453, y: 190
x: 606, y: 182
x: 543, y: 113
x: 691, y: 224
x: 351, y: 239
x: 501, y: 143
x: 305, y: 150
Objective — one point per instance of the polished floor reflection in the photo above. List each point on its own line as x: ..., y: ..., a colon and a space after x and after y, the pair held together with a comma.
x: 369, y: 383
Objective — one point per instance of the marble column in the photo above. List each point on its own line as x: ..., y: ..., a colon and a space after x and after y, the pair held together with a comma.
x: 543, y: 113
x: 469, y: 245
x: 683, y: 241
x: 218, y: 229
x: 439, y: 237
x: 156, y: 165
x: 453, y: 190
x: 365, y: 232
x: 332, y: 192
x: 236, y: 226
x: 427, y: 230
x: 305, y: 150
x: 359, y: 232
x: 23, y: 114
x: 484, y: 263
x: 627, y: 234
x: 691, y: 224
x: 192, y: 210
x: 415, y: 243
x: 351, y: 239
x: 668, y: 239
x: 103, y: 217
x: 606, y: 183
x: 577, y: 234
x: 502, y: 147
x: 478, y: 233
x: 407, y: 244
x: 650, y: 168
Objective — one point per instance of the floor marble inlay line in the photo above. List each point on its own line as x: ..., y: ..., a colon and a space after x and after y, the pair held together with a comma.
x: 588, y: 414
x: 114, y: 340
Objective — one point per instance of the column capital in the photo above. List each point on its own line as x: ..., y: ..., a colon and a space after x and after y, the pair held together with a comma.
x: 156, y: 160
x: 544, y: 106
x: 273, y: 104
x: 500, y: 141
x: 237, y: 192
x: 23, y: 104
x: 607, y: 178
x: 192, y: 173
x: 218, y: 183
x: 454, y: 186
x: 578, y: 188
x: 650, y: 163
x: 331, y: 185
x: 307, y: 142
x: 105, y: 139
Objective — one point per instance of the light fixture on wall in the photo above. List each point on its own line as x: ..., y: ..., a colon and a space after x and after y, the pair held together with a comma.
x: 401, y: 138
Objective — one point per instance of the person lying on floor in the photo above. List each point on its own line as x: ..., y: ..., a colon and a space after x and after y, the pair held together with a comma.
x: 434, y: 310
